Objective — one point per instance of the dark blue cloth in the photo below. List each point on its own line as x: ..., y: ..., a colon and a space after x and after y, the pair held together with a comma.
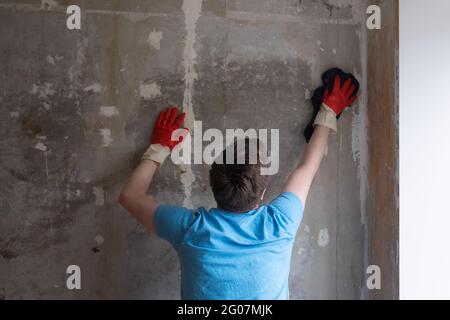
x: 317, y: 98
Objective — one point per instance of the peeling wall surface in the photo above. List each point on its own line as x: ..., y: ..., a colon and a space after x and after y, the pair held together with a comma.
x: 77, y: 110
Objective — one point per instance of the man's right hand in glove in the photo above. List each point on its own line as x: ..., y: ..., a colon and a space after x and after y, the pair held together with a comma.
x: 334, y: 103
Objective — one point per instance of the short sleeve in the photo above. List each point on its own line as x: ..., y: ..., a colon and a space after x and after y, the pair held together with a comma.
x: 171, y: 223
x: 290, y: 209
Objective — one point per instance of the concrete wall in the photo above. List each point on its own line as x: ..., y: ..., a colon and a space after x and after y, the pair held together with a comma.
x: 231, y: 64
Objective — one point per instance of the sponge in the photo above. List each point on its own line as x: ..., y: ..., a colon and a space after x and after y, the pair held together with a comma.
x: 317, y: 98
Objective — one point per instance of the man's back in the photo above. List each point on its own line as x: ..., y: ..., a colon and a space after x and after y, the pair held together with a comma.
x: 230, y: 255
x: 226, y: 255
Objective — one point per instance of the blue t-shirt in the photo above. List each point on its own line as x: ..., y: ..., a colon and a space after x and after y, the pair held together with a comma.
x: 239, y: 256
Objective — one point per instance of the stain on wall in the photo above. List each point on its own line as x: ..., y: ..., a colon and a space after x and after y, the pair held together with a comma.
x: 79, y: 107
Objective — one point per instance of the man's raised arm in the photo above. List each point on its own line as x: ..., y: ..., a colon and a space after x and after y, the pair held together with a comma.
x: 133, y: 196
x: 333, y: 104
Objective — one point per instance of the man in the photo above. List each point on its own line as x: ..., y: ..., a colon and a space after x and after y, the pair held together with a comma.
x: 241, y: 249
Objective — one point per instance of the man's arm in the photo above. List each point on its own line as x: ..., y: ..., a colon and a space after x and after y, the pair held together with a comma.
x: 301, y: 179
x: 134, y: 196
x: 333, y: 104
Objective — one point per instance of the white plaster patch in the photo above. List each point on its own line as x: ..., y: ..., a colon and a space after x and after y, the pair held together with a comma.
x: 149, y: 91
x: 187, y: 179
x: 154, y: 39
x: 108, y: 111
x: 74, y: 72
x: 340, y: 3
x: 43, y: 90
x: 99, y: 194
x: 40, y: 146
x: 138, y: 16
x: 14, y: 114
x: 192, y: 10
x: 48, y: 4
x: 99, y: 239
x: 324, y: 238
x: 360, y: 144
x: 46, y: 106
x: 71, y: 74
x: 334, y: 51
x: 106, y: 135
x: 307, y: 94
x: 51, y: 60
x: 96, y: 88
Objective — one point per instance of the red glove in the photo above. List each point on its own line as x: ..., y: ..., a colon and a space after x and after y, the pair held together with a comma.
x: 340, y: 98
x: 168, y: 121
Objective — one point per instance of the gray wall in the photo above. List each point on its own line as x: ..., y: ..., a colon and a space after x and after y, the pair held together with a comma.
x: 63, y: 160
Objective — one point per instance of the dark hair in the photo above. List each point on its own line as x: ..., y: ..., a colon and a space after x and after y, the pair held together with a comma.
x: 238, y: 187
